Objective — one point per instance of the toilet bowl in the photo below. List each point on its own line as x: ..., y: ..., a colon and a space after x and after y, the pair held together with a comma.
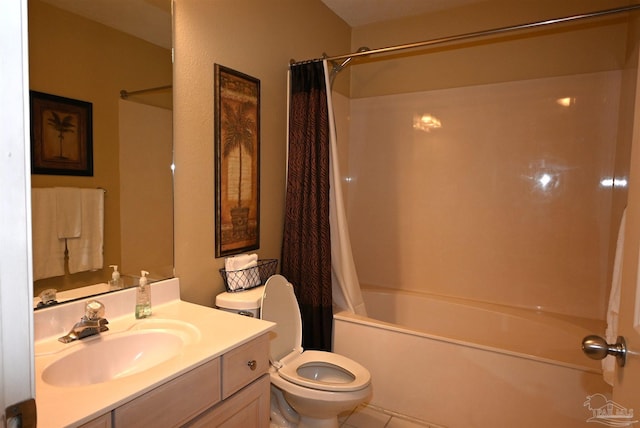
x: 318, y: 385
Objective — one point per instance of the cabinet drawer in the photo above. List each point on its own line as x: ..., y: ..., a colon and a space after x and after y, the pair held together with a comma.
x: 175, y: 402
x: 103, y: 421
x: 244, y: 364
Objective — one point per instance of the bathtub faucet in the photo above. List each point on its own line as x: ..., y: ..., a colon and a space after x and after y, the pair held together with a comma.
x: 92, y: 323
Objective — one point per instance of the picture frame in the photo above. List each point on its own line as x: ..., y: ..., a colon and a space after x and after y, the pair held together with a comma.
x: 61, y: 135
x: 237, y: 161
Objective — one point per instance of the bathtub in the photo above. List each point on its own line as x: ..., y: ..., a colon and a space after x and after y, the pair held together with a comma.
x: 462, y: 364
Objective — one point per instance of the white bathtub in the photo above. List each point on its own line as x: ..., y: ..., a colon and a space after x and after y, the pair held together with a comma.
x: 462, y: 364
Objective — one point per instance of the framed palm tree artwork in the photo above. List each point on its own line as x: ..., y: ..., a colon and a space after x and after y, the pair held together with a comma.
x: 237, y: 157
x: 61, y: 135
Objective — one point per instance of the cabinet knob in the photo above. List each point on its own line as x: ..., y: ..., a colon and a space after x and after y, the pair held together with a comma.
x: 252, y: 364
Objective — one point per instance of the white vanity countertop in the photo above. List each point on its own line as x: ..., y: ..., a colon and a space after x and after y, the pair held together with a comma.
x: 71, y: 406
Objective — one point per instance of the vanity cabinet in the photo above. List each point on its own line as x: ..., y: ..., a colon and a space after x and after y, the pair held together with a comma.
x: 231, y: 391
x: 103, y: 421
x: 174, y: 403
x: 247, y: 408
x: 244, y: 364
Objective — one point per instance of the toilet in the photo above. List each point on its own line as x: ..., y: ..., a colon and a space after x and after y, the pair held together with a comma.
x: 245, y: 302
x: 308, y: 388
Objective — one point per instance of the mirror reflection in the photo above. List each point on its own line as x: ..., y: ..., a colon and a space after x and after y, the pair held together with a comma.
x: 76, y: 52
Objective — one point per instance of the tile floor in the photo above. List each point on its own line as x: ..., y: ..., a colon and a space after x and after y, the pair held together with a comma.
x: 373, y: 417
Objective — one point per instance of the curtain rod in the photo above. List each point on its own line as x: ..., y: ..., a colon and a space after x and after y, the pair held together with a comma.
x: 124, y: 94
x: 363, y: 52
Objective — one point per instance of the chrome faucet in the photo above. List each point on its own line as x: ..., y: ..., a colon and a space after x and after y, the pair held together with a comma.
x: 92, y: 323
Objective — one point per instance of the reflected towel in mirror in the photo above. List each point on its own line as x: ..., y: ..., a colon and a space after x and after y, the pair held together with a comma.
x: 48, y: 250
x: 68, y: 212
x: 86, y: 252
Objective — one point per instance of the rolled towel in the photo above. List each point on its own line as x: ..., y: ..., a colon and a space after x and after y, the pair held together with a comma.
x: 242, y: 271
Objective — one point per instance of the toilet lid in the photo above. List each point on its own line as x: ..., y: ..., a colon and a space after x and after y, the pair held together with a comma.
x: 240, y: 300
x: 280, y: 306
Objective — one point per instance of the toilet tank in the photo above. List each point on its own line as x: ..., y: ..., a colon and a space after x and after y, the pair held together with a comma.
x: 245, y: 302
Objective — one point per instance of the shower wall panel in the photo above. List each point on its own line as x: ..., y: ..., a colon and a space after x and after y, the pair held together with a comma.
x: 498, y: 192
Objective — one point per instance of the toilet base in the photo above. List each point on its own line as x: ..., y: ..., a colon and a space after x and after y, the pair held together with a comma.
x: 313, y: 408
x: 283, y: 416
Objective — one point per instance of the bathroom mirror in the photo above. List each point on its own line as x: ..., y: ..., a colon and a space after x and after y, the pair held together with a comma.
x: 91, y: 51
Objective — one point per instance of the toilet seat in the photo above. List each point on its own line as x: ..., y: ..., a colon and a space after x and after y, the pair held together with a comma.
x: 325, y: 371
x: 318, y: 370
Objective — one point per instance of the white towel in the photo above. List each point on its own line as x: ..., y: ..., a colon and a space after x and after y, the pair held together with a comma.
x: 242, y: 271
x: 68, y: 212
x: 86, y: 252
x: 48, y: 250
x: 613, y: 310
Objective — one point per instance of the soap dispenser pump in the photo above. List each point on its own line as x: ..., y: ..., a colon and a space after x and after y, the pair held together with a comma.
x: 116, y: 282
x: 143, y: 296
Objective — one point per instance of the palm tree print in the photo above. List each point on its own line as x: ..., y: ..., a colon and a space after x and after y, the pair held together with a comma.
x: 63, y: 126
x: 238, y: 134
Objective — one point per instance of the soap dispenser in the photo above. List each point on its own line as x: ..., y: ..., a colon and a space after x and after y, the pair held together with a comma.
x: 143, y: 296
x: 116, y: 282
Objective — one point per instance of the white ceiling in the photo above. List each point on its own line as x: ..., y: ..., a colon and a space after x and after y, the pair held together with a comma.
x: 361, y: 12
x: 151, y: 19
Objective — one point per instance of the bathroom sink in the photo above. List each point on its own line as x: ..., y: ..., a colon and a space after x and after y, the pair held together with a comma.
x: 108, y: 357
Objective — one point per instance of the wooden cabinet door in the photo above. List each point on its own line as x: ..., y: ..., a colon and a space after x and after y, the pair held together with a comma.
x: 103, y: 421
x: 243, y: 365
x: 175, y: 402
x: 247, y: 408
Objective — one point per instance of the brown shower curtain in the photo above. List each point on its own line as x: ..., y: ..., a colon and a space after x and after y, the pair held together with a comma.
x: 306, y: 247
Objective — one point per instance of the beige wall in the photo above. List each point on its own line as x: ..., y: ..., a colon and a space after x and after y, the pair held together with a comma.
x: 258, y: 38
x: 552, y: 51
x: 77, y: 58
x: 146, y: 202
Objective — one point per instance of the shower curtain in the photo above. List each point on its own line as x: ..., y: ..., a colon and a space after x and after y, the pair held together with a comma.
x: 344, y: 278
x: 306, y: 246
x: 311, y: 241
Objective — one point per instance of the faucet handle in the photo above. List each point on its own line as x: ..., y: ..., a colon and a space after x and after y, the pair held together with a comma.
x: 94, y: 310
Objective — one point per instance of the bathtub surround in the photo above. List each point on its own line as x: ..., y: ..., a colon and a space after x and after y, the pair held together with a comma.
x: 509, y: 201
x: 460, y: 364
x: 455, y: 189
